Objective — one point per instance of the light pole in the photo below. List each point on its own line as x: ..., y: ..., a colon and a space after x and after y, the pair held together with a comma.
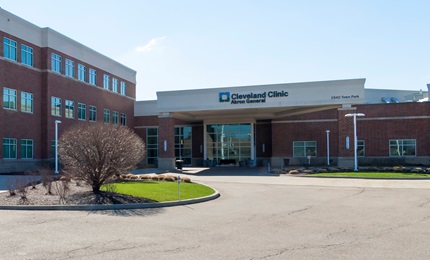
x: 354, y: 115
x: 56, y: 145
x: 328, y: 147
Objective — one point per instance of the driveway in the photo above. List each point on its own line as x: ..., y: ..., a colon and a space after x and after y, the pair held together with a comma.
x: 256, y: 217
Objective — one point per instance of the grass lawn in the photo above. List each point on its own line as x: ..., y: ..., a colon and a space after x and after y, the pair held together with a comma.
x: 161, y: 191
x: 373, y: 175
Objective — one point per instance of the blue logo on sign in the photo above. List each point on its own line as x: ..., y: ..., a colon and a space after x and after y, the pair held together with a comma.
x: 224, y: 97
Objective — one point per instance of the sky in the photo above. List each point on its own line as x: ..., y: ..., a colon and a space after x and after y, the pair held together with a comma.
x: 197, y: 44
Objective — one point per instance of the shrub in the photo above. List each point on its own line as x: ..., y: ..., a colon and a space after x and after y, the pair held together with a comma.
x: 47, y: 179
x: 186, y: 179
x: 62, y: 189
x: 169, y: 178
x: 293, y: 172
x: 97, y: 152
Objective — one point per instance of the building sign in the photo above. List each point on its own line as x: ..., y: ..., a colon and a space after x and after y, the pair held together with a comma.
x: 251, y: 97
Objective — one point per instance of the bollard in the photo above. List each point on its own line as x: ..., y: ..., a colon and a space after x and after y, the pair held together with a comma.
x: 179, y: 187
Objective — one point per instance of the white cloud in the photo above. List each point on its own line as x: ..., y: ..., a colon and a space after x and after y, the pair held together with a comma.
x: 151, y: 45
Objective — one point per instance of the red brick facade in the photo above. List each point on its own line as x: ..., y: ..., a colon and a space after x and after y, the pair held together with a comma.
x: 44, y: 84
x: 381, y: 123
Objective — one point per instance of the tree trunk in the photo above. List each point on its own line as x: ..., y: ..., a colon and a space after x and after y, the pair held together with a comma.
x: 96, y: 188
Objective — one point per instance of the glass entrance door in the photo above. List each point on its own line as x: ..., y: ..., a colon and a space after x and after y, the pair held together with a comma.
x: 229, y: 144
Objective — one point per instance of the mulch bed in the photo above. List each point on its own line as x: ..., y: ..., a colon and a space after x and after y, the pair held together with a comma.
x: 79, y: 194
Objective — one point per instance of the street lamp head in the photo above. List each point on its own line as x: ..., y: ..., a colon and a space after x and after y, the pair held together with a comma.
x: 327, y: 131
x: 57, y: 121
x: 354, y: 114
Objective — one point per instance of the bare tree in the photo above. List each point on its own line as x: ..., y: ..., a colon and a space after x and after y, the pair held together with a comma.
x: 97, y: 152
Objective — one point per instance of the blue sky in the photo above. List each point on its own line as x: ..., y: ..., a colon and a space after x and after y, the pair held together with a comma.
x: 186, y: 44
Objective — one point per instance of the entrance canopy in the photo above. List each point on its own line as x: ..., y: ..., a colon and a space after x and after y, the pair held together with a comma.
x: 254, y: 102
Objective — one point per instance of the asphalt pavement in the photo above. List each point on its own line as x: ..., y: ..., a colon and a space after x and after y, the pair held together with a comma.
x: 257, y: 217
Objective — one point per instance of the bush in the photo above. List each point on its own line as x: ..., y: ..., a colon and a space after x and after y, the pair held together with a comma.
x: 97, y: 152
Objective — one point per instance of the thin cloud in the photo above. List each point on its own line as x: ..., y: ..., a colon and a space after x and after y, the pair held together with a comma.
x: 151, y: 45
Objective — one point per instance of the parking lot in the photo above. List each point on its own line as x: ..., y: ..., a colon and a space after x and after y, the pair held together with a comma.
x: 256, y: 217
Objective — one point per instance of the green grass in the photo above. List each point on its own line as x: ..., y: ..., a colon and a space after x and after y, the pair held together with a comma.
x: 374, y: 175
x: 161, y: 191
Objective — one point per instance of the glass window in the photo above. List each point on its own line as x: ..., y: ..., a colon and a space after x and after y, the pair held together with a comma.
x: 401, y: 148
x: 304, y: 148
x: 152, y: 146
x: 106, y: 81
x: 82, y: 111
x: 26, y: 149
x: 183, y: 144
x: 27, y: 102
x: 9, y: 148
x: 115, y: 85
x: 93, y: 77
x: 55, y: 62
x: 361, y: 151
x: 93, y: 114
x: 9, y: 98
x: 81, y: 72
x: 228, y: 143
x: 9, y: 49
x: 70, y: 68
x: 123, y: 88
x: 115, y: 117
x: 69, y: 109
x: 123, y: 119
x: 106, y: 116
x: 55, y: 106
x: 26, y: 55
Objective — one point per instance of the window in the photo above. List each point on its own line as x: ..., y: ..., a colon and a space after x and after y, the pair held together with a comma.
x: 115, y: 117
x: 361, y: 151
x: 230, y: 142
x: 26, y: 149
x: 106, y: 116
x: 69, y: 110
x: 115, y: 85
x: 27, y: 102
x: 106, y: 81
x: 81, y: 72
x: 400, y: 148
x: 93, y: 77
x: 9, y: 98
x: 123, y: 119
x: 55, y: 106
x: 303, y: 149
x: 152, y: 145
x: 9, y: 49
x: 93, y: 114
x: 183, y: 144
x: 82, y: 111
x: 9, y: 148
x: 123, y: 88
x: 55, y: 62
x: 70, y: 68
x: 26, y: 55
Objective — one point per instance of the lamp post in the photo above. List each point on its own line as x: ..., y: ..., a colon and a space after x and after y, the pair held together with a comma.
x: 328, y: 147
x: 56, y: 145
x: 354, y: 116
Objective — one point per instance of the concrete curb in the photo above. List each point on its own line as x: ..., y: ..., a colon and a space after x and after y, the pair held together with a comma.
x: 114, y: 206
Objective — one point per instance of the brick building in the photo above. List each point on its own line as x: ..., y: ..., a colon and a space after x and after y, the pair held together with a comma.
x: 294, y: 124
x: 46, y: 76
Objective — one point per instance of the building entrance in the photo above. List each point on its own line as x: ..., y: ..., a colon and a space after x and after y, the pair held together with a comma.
x: 229, y: 144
